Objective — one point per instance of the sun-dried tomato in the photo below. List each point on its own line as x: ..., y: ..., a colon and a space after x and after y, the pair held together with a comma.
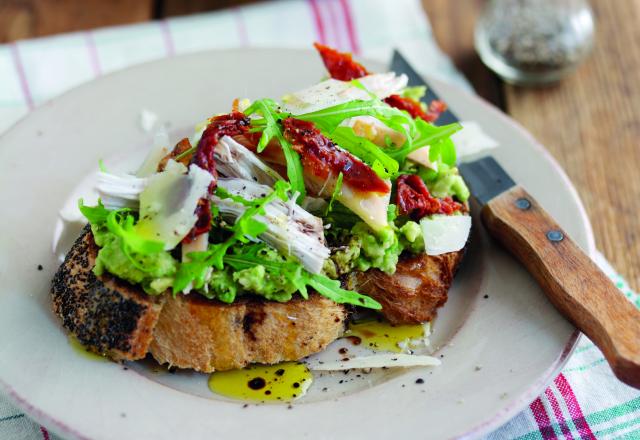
x: 436, y: 108
x: 321, y: 157
x: 414, y: 108
x: 413, y: 199
x: 232, y: 124
x: 203, y: 223
x: 340, y: 65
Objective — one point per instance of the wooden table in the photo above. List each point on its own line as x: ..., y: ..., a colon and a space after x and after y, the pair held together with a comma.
x: 590, y: 121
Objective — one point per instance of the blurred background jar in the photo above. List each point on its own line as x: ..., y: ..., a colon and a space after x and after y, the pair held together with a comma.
x: 529, y: 42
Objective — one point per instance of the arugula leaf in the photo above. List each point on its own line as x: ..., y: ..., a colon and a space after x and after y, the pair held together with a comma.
x: 370, y: 153
x: 270, y: 126
x: 329, y: 118
x: 444, y: 151
x: 122, y: 226
x: 97, y: 215
x: 332, y: 290
x: 428, y: 134
x: 250, y: 257
x: 337, y: 191
x: 245, y: 228
x: 268, y: 109
x: 300, y: 277
x: 194, y: 271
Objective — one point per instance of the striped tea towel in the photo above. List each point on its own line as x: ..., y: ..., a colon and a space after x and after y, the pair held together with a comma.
x: 584, y: 401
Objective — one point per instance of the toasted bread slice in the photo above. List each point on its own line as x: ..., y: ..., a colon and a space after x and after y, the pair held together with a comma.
x: 208, y: 335
x: 107, y: 315
x: 112, y: 317
x: 415, y: 291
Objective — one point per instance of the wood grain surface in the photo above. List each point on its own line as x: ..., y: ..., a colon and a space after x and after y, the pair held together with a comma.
x: 35, y: 18
x: 573, y: 283
x: 590, y: 121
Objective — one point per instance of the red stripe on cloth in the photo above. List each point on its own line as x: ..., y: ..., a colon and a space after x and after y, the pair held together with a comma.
x: 542, y: 419
x: 45, y: 433
x: 168, y: 39
x: 338, y: 27
x: 574, y: 407
x: 557, y: 412
x: 93, y: 53
x: 22, y: 77
x: 317, y: 19
x: 351, y: 28
x: 242, y: 28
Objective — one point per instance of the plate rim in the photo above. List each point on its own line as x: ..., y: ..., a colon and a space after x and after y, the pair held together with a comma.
x: 501, y: 417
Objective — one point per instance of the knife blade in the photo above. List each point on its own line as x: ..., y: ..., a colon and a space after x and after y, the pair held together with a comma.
x: 571, y: 280
x: 400, y: 65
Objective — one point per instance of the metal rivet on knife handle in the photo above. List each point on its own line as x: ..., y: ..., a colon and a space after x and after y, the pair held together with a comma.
x: 523, y: 203
x: 555, y: 235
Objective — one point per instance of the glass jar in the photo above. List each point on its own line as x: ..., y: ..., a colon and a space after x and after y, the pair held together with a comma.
x: 534, y: 41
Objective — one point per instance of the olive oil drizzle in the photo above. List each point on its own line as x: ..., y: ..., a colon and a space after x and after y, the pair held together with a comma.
x: 263, y: 383
x: 379, y: 335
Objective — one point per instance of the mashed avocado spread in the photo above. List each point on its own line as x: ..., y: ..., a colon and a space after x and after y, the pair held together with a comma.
x: 367, y: 249
x: 226, y: 284
x: 159, y: 269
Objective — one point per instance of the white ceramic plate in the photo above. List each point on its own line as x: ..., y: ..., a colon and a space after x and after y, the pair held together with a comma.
x: 498, y: 352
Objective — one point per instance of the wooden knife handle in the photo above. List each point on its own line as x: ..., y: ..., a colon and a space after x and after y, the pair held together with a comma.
x: 571, y: 280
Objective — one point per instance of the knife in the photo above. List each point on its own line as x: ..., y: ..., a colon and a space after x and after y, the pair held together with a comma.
x: 571, y: 280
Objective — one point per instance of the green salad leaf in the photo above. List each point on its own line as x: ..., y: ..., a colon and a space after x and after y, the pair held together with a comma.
x: 126, y: 254
x: 437, y: 137
x: 445, y: 150
x: 249, y: 256
x: 371, y: 154
x: 328, y: 119
x: 270, y: 126
x: 337, y: 191
x: 300, y: 277
x: 245, y: 229
x: 121, y: 224
x: 95, y: 214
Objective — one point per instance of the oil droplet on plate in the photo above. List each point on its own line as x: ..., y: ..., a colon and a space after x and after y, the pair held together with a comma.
x: 380, y: 335
x: 260, y: 383
x: 83, y: 351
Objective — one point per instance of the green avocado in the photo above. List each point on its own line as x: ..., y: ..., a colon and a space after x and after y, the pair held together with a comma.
x: 448, y: 183
x: 367, y: 249
x: 226, y: 284
x: 159, y: 268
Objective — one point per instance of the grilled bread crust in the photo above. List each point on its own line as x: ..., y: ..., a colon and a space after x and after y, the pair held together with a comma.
x: 106, y: 314
x: 208, y: 335
x: 415, y: 291
x: 112, y: 317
